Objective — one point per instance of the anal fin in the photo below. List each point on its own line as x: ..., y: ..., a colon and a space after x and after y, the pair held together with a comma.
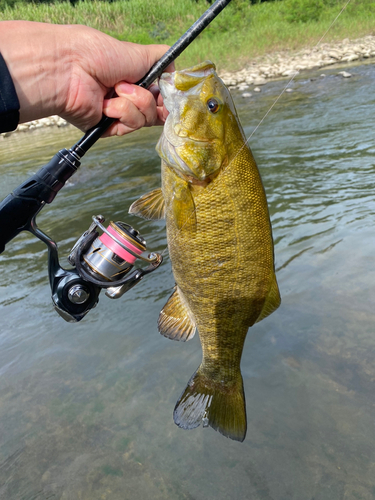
x: 175, y: 320
x: 150, y: 206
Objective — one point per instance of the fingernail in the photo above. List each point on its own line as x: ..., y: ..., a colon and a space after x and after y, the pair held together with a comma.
x: 125, y: 88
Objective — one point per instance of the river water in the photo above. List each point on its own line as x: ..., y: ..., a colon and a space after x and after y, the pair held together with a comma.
x: 86, y: 409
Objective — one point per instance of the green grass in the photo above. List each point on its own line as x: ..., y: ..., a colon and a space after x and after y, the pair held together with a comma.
x: 241, y: 32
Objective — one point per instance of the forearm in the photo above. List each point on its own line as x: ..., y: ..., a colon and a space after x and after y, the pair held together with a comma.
x: 36, y: 58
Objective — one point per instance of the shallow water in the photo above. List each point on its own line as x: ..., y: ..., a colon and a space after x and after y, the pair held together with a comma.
x: 86, y: 409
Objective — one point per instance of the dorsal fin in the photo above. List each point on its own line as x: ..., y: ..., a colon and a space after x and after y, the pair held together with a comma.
x: 175, y: 321
x: 272, y: 301
x: 150, y: 206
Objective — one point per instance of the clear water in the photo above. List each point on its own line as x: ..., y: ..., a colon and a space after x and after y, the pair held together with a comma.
x: 86, y: 409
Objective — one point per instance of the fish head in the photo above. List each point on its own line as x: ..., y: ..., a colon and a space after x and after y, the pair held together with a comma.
x: 202, y: 131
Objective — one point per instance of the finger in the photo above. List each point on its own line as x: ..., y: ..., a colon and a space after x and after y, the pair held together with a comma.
x: 118, y: 129
x: 155, y: 91
x: 125, y: 111
x: 143, y: 99
x: 134, y: 110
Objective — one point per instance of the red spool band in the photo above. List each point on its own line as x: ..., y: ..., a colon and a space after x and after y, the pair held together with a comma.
x: 116, y: 248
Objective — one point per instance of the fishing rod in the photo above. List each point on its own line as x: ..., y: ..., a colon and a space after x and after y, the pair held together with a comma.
x: 99, y: 262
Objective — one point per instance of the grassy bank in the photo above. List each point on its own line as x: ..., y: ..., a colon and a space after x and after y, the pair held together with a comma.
x: 241, y: 32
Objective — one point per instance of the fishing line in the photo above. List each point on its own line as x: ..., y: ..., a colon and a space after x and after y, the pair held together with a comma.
x: 289, y: 82
x: 165, y: 251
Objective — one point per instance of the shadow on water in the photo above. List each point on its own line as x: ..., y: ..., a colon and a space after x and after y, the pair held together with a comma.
x: 86, y: 409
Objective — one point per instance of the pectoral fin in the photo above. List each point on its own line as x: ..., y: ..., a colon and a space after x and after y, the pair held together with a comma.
x: 175, y: 320
x: 150, y: 206
x: 183, y: 207
x: 272, y: 302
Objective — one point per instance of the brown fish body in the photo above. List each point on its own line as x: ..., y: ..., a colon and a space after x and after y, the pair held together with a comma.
x: 221, y: 249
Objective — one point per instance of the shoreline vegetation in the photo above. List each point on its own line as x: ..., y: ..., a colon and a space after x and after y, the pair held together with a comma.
x: 250, y: 43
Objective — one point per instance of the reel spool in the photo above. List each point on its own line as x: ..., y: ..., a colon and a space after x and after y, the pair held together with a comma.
x: 106, y: 260
x: 109, y: 259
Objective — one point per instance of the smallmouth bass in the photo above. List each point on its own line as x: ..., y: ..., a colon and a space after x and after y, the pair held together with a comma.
x: 219, y: 240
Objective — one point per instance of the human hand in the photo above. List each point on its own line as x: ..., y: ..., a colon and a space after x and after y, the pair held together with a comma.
x: 70, y: 69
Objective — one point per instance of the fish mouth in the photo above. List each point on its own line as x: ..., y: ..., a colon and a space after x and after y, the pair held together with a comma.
x: 167, y: 150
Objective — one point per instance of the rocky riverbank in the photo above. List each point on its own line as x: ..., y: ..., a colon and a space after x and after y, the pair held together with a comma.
x: 287, y: 64
x: 50, y: 121
x: 269, y: 67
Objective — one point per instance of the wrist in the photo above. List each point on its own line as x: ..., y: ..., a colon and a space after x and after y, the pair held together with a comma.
x: 36, y: 57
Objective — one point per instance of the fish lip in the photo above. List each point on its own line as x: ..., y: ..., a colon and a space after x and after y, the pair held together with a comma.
x: 167, y: 89
x: 199, y: 141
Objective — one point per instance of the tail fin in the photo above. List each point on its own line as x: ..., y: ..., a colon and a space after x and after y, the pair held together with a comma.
x: 221, y: 407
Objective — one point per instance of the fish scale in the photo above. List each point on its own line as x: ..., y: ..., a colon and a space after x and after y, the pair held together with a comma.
x: 219, y: 241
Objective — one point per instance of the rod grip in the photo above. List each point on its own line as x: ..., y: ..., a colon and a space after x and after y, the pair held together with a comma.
x: 19, y: 207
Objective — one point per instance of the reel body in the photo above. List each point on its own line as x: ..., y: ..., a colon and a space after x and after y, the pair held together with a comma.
x: 99, y: 261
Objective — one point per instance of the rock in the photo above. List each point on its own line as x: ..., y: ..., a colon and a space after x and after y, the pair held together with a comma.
x: 327, y: 62
x: 345, y: 74
x: 246, y: 94
x: 257, y: 89
x: 350, y: 58
x: 335, y: 54
x: 290, y: 72
x: 260, y: 81
x: 288, y: 90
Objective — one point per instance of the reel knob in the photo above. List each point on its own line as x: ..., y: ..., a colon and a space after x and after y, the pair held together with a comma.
x: 78, y: 294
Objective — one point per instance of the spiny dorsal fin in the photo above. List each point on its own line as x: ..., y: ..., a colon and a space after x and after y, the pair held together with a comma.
x: 174, y: 320
x: 150, y: 206
x: 272, y: 302
x: 210, y: 403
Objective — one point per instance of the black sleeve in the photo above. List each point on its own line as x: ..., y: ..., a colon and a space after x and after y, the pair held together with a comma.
x: 9, y: 104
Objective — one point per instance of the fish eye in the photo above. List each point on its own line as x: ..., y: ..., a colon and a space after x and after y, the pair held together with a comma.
x: 213, y: 105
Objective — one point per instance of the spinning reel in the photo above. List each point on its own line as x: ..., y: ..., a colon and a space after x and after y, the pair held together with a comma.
x: 99, y: 262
